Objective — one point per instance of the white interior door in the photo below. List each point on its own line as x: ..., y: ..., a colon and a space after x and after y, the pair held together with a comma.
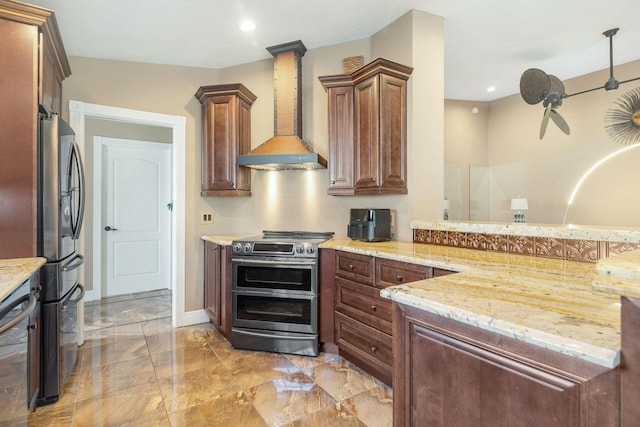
x: 136, y: 218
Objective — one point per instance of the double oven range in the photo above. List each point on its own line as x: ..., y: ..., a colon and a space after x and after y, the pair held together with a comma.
x: 275, y: 292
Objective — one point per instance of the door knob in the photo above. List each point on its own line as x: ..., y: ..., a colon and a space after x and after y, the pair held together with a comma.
x: 107, y: 228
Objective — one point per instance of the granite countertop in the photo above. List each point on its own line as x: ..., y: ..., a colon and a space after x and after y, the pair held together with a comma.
x: 13, y: 273
x: 561, y: 231
x: 619, y: 275
x: 224, y: 239
x: 546, y: 302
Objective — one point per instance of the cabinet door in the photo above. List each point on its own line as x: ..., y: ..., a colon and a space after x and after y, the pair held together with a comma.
x: 326, y: 300
x: 212, y: 281
x: 50, y: 90
x: 630, y: 380
x: 220, y: 149
x: 393, y: 138
x: 18, y: 113
x: 224, y: 285
x: 442, y: 381
x: 33, y: 369
x: 366, y: 127
x: 341, y: 143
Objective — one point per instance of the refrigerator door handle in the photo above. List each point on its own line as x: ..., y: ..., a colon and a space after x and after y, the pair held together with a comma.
x: 75, y: 154
x: 71, y: 265
x: 82, y: 293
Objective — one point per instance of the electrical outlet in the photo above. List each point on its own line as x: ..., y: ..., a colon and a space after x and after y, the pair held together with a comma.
x: 206, y: 217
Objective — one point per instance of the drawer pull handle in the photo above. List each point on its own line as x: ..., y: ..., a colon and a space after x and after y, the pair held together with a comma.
x: 399, y: 279
x: 374, y: 349
x: 374, y: 308
x: 350, y: 266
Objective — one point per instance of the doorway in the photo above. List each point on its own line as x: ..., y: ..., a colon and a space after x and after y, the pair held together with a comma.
x: 78, y: 112
x: 132, y: 181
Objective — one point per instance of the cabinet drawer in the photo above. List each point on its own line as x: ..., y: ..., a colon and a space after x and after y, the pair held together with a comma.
x: 363, y: 303
x: 359, y: 268
x: 390, y: 273
x: 365, y: 346
x: 438, y: 272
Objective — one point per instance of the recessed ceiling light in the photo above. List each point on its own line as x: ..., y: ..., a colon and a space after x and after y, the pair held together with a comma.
x: 247, y: 26
x: 491, y: 89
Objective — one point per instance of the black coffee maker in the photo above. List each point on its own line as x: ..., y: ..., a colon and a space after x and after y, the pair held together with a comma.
x: 370, y: 225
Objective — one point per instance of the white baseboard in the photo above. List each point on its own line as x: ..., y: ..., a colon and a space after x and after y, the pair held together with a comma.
x: 192, y: 318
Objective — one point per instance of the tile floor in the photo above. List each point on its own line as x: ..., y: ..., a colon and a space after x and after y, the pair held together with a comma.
x: 134, y: 369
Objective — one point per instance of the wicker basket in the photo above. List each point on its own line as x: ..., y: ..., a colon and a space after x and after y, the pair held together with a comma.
x: 352, y: 63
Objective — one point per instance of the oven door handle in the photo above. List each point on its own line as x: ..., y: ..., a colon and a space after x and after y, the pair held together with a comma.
x: 19, y: 318
x: 258, y: 334
x: 274, y: 263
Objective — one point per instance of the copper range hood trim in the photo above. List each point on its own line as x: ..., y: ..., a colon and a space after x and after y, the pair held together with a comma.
x: 286, y: 150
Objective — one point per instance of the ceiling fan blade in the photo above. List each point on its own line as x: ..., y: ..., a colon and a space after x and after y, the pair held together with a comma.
x: 560, y: 122
x: 545, y: 121
x: 534, y: 85
x: 556, y: 85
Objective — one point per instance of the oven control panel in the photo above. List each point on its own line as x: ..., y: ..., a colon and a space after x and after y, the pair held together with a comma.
x: 279, y: 249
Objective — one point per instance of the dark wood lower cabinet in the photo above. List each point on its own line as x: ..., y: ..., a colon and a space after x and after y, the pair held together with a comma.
x: 217, y: 286
x: 630, y: 362
x: 326, y: 300
x: 450, y: 374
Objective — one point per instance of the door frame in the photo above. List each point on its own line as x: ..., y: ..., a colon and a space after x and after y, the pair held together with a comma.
x: 98, y: 144
x: 78, y: 112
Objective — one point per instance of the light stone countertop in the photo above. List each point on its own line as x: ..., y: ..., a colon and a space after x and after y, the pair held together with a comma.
x: 560, y: 231
x: 225, y: 239
x: 546, y: 302
x: 13, y: 273
x: 619, y: 275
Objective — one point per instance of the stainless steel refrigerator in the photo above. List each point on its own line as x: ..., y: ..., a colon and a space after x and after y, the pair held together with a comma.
x: 60, y: 215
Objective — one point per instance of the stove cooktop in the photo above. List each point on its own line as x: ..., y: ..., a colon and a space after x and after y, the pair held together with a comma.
x: 281, y: 243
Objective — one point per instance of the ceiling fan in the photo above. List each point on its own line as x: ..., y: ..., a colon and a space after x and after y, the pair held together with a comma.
x: 537, y: 86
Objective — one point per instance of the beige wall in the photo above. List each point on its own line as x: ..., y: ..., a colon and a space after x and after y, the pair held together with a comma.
x: 465, y: 150
x: 547, y: 171
x: 285, y: 199
x: 160, y: 89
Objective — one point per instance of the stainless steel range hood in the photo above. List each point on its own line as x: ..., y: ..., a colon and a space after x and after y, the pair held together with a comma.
x: 286, y: 150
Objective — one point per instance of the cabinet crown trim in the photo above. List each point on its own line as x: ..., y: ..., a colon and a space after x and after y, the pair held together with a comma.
x: 236, y: 89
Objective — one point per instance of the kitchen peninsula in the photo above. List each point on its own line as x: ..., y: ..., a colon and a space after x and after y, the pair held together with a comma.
x: 620, y: 275
x: 500, y: 330
x: 519, y: 336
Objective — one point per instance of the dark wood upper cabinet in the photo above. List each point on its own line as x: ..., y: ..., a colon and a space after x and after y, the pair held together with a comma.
x: 368, y: 129
x: 34, y: 64
x: 341, y: 144
x: 226, y: 134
